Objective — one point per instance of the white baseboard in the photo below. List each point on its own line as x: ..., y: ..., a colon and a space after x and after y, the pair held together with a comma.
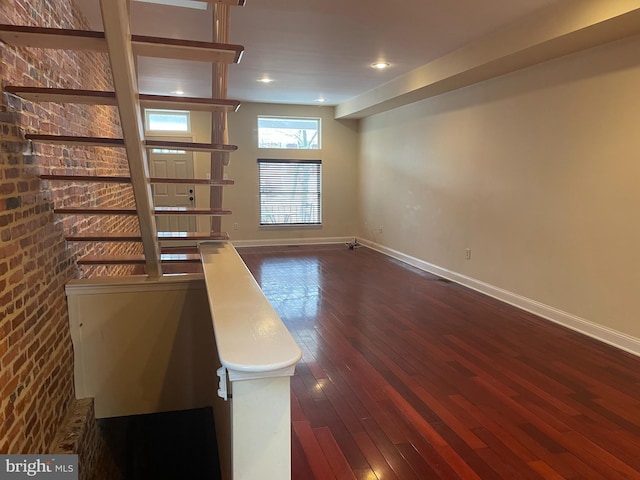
x: 291, y: 241
x: 604, y: 334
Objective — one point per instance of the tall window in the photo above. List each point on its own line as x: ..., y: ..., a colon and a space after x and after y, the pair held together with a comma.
x: 290, y: 192
x: 300, y: 133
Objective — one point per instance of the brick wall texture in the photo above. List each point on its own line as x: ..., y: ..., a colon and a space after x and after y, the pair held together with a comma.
x: 80, y: 434
x: 36, y: 358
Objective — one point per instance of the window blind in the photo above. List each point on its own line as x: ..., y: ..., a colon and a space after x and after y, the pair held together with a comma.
x: 290, y: 192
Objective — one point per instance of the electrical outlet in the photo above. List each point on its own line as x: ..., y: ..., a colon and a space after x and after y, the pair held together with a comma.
x: 235, y: 226
x: 467, y: 254
x: 380, y: 229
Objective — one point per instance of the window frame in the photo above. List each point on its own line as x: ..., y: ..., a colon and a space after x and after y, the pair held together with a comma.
x: 318, y: 206
x: 318, y: 121
x: 176, y: 113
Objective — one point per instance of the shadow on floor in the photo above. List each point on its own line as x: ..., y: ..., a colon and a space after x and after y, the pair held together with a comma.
x: 164, y: 446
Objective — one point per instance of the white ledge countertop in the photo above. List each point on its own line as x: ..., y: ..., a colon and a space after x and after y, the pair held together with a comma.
x: 252, y: 340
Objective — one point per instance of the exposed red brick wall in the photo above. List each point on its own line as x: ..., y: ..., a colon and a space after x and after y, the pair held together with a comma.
x: 36, y: 359
x: 81, y: 434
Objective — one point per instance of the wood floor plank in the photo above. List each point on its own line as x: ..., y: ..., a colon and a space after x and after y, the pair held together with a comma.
x: 389, y: 451
x: 349, y: 448
x: 410, y: 376
x: 336, y: 459
x: 300, y: 467
x: 377, y: 461
x: 505, y: 459
x: 365, y: 474
x: 419, y: 464
x: 450, y: 418
x: 545, y: 470
x: 315, y: 456
x: 432, y: 436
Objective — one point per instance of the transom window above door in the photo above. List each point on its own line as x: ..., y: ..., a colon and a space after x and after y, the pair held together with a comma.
x: 167, y: 121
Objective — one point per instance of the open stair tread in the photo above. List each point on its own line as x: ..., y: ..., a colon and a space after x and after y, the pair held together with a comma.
x: 136, y: 237
x: 121, y: 179
x: 95, y: 211
x: 63, y: 39
x: 132, y: 211
x: 137, y: 259
x: 63, y: 95
x: 104, y: 236
x: 238, y: 3
x: 191, y: 211
x: 168, y: 102
x: 119, y: 142
x: 71, y: 39
x: 86, y: 178
x: 75, y: 140
x: 195, y: 181
x: 193, y: 147
x: 197, y: 236
x: 193, y: 50
x: 101, y: 97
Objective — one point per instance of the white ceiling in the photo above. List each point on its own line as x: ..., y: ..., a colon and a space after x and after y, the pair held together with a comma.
x: 315, y: 48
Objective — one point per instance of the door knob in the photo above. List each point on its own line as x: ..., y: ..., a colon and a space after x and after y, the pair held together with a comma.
x: 191, y: 199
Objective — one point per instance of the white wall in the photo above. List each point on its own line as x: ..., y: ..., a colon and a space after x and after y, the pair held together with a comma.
x: 143, y: 346
x: 339, y: 156
x: 538, y: 172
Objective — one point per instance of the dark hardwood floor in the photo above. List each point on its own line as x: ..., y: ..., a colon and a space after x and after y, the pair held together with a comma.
x: 407, y: 376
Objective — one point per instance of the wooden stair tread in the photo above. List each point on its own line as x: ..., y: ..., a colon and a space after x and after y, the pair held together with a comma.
x: 112, y: 260
x: 192, y: 147
x: 105, y: 179
x: 137, y: 259
x: 71, y: 39
x: 64, y: 39
x: 136, y: 237
x: 197, y: 236
x: 190, y: 211
x: 195, y: 181
x: 86, y: 178
x: 180, y: 257
x: 63, y: 95
x: 119, y: 142
x: 104, y: 237
x: 100, y: 97
x: 94, y: 211
x: 132, y: 211
x: 239, y: 3
x: 168, y: 102
x: 76, y: 140
x: 179, y: 49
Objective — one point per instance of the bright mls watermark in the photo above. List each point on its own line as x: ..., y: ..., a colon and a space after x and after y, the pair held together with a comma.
x: 51, y: 467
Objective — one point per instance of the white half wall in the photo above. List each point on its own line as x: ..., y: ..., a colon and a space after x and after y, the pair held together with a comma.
x: 143, y: 346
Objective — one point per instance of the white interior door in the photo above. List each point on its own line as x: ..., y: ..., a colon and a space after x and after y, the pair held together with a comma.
x: 173, y: 164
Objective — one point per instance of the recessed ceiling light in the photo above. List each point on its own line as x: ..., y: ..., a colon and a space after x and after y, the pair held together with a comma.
x: 321, y: 100
x: 266, y: 80
x: 380, y: 65
x: 178, y: 92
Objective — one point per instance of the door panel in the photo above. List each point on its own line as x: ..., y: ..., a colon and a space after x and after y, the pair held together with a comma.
x: 173, y: 164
